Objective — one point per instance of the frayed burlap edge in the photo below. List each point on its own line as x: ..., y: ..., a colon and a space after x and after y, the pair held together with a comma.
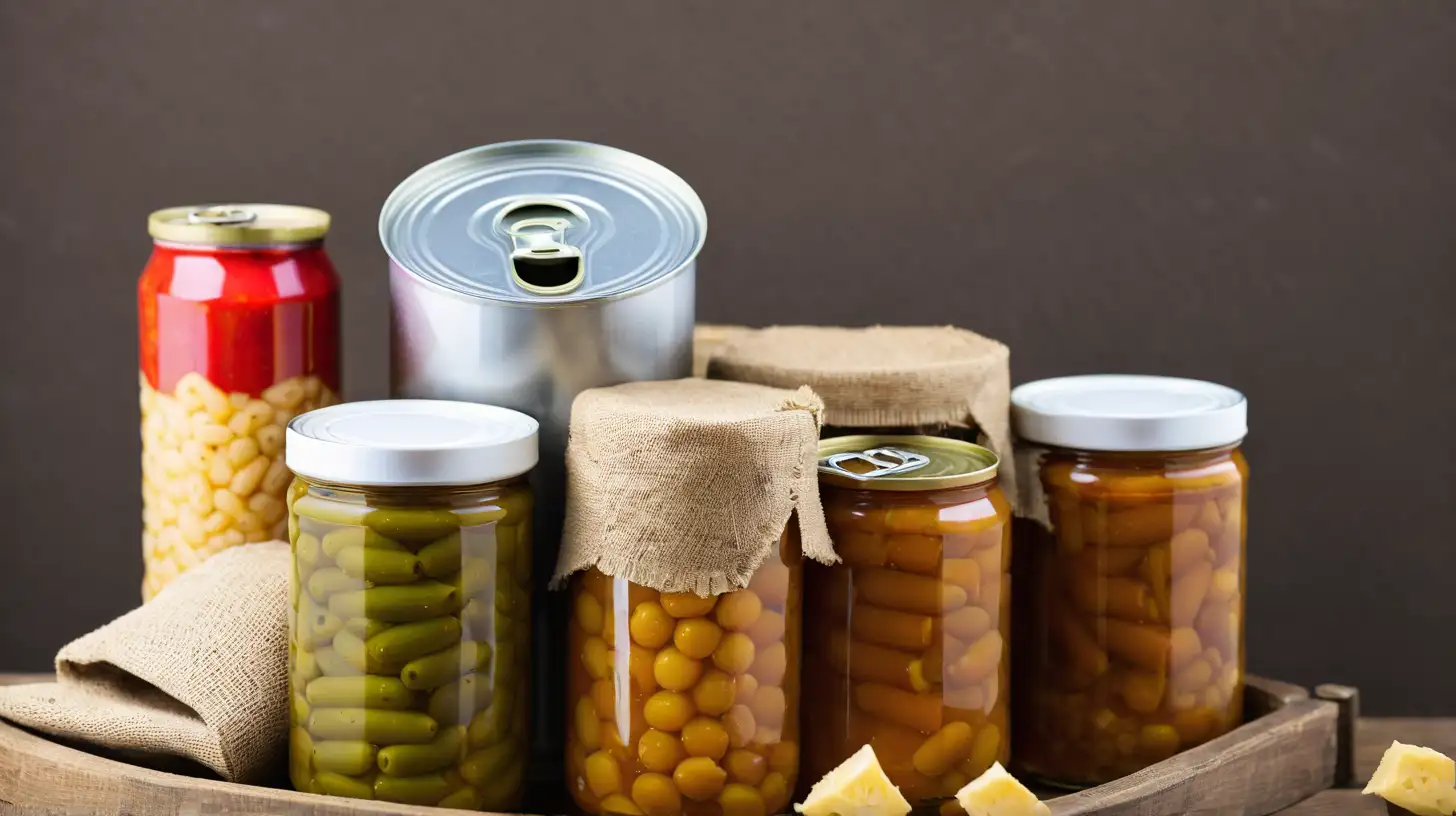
x: 974, y: 390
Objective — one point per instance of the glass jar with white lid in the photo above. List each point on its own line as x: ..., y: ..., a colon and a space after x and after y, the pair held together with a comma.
x: 410, y: 625
x: 1129, y: 573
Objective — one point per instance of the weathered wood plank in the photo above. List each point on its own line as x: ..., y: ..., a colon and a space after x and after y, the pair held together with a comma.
x: 43, y: 776
x: 1337, y: 803
x: 1347, y: 699
x: 1255, y: 769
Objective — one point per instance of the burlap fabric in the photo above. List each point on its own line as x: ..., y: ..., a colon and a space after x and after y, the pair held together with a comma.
x: 199, y: 672
x: 687, y: 485
x: 708, y: 340
x: 885, y: 377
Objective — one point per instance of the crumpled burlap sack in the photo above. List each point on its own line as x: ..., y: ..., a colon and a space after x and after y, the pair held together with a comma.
x: 885, y: 377
x: 687, y: 485
x: 199, y: 672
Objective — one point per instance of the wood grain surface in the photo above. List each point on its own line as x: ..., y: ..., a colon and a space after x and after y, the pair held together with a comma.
x: 1285, y: 753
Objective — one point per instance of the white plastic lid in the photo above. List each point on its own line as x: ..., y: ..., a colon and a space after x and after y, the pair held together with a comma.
x: 411, y: 442
x: 1117, y: 412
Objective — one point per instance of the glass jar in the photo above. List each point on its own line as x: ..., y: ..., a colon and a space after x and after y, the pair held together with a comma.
x: 239, y: 333
x: 907, y: 638
x: 684, y: 704
x: 1132, y: 589
x: 410, y: 631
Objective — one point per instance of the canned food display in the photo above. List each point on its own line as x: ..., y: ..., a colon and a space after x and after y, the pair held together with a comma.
x: 239, y: 333
x: 410, y: 633
x: 685, y: 704
x: 1133, y: 588
x: 907, y: 640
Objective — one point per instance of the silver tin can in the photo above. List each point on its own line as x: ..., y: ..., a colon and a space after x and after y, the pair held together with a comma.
x: 521, y: 274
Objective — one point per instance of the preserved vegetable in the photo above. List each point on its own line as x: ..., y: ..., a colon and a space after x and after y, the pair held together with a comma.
x: 685, y: 704
x: 239, y: 333
x: 1136, y: 599
x: 907, y: 640
x: 1131, y: 587
x: 410, y: 631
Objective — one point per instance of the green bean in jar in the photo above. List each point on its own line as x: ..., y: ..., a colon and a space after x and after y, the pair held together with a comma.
x: 410, y: 626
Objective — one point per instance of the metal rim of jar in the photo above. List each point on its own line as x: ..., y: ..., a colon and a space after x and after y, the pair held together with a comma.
x: 239, y: 226
x: 843, y: 444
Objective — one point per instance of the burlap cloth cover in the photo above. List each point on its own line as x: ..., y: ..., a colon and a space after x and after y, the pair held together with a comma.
x: 687, y: 485
x: 200, y: 672
x: 885, y: 376
x: 708, y: 340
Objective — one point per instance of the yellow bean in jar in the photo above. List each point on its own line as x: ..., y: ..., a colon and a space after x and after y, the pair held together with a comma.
x: 710, y: 689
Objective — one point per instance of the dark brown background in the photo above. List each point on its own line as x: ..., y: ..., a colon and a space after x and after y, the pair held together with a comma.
x: 1260, y: 194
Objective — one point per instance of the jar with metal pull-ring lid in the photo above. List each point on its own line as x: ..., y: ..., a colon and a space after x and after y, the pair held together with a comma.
x: 906, y: 638
x: 411, y: 603
x: 239, y: 333
x: 1131, y: 577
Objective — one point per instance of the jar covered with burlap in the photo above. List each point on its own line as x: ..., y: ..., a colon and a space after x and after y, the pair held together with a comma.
x: 409, y: 635
x: 919, y: 380
x: 691, y: 504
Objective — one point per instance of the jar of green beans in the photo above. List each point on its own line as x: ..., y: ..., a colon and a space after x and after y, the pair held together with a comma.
x: 410, y: 627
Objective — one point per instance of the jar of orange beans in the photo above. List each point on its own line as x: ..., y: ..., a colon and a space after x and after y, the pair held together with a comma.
x: 691, y: 505
x: 1132, y: 595
x: 907, y: 637
x: 686, y: 704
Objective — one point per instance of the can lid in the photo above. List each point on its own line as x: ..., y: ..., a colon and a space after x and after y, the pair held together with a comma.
x: 1118, y: 412
x: 904, y: 463
x: 239, y: 225
x: 411, y: 442
x: 543, y: 222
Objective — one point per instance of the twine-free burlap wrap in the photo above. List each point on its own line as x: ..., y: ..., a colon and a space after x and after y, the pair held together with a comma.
x: 885, y: 377
x: 687, y: 485
x: 708, y: 340
x: 200, y: 672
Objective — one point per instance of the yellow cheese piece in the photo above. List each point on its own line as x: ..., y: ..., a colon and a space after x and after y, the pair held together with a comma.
x: 1418, y: 779
x: 858, y: 787
x: 997, y: 793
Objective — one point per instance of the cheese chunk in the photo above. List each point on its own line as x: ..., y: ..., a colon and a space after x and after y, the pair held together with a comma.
x: 997, y: 793
x: 1418, y: 779
x: 858, y: 787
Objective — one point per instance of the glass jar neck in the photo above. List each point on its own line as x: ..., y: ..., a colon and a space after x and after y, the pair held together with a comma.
x: 412, y: 495
x: 1145, y: 459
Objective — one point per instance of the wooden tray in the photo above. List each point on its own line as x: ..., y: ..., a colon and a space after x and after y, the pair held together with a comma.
x: 1290, y: 748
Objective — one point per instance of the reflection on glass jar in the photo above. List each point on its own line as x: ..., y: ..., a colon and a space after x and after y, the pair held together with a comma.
x: 907, y: 636
x: 686, y: 704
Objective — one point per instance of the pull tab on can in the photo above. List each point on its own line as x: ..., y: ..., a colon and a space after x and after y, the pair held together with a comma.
x: 885, y: 461
x: 222, y: 215
x: 542, y: 262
